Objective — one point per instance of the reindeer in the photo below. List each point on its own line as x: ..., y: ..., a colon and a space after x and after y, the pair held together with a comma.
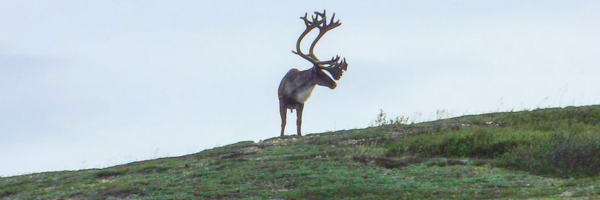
x: 296, y: 86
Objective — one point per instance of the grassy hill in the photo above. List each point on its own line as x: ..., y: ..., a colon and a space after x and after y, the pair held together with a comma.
x: 545, y: 153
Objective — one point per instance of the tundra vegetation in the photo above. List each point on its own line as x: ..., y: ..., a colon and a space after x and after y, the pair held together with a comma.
x: 544, y: 153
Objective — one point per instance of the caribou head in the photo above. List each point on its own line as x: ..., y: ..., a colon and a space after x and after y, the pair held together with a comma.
x: 296, y: 86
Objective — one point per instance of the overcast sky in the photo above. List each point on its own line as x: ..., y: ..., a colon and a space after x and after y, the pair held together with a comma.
x: 87, y: 84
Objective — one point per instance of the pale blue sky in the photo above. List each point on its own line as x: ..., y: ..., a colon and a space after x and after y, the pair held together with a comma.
x: 96, y: 83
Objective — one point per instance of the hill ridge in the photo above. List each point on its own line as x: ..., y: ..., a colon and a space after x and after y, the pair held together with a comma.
x: 371, y: 163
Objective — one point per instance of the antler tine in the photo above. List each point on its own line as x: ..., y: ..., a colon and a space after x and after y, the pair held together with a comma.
x: 323, y: 28
x: 306, y: 22
x: 332, y: 17
x: 323, y: 16
x: 337, y: 22
x: 336, y: 58
x: 329, y: 62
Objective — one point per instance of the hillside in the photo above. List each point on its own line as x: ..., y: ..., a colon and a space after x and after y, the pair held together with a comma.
x: 545, y: 153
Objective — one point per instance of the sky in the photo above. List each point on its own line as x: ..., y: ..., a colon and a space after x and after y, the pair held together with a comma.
x: 89, y: 84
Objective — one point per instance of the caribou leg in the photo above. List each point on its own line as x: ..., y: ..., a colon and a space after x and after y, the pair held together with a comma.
x: 299, y: 119
x: 282, y: 112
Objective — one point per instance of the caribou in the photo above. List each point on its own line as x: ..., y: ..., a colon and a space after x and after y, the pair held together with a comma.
x: 296, y: 86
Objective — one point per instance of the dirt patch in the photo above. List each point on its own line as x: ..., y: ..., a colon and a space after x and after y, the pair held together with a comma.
x: 354, y: 142
x: 236, y: 155
x: 110, y: 173
x: 378, y: 140
x: 7, y: 193
x: 391, y: 163
x: 224, y: 151
x: 328, y: 154
x: 152, y: 169
x: 118, y: 192
x: 250, y: 150
x: 447, y: 163
x: 388, y: 162
x: 279, y: 141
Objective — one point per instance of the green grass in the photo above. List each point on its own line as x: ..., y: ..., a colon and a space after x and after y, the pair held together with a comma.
x: 546, y: 153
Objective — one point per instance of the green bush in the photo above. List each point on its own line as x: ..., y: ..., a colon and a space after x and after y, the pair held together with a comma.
x: 561, y: 154
x: 567, y: 151
x: 471, y: 142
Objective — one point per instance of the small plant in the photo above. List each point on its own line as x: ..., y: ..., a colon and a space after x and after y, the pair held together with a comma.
x: 399, y: 120
x: 382, y: 120
x: 442, y: 114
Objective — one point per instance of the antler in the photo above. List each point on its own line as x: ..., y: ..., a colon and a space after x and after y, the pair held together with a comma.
x: 336, y: 69
x: 323, y: 28
x: 310, y: 25
x: 334, y: 66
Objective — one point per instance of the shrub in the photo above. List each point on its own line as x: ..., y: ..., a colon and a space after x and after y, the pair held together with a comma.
x: 561, y: 154
x: 383, y: 120
x: 472, y: 142
x: 568, y: 151
x: 111, y: 172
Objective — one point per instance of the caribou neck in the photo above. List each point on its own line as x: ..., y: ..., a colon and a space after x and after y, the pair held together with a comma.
x: 306, y: 87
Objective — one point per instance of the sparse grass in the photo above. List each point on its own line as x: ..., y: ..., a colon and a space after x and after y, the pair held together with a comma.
x: 500, y: 155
